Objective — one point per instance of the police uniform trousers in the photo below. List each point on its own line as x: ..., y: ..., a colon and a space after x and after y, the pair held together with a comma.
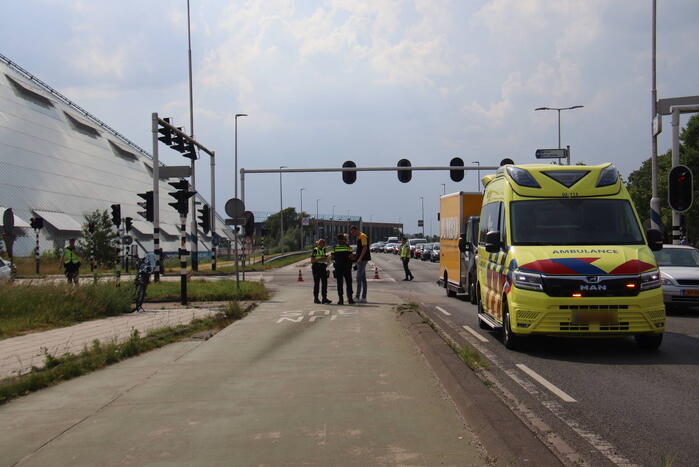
x: 320, y: 276
x: 344, y: 274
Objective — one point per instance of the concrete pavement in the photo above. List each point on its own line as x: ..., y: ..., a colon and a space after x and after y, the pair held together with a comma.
x: 293, y: 383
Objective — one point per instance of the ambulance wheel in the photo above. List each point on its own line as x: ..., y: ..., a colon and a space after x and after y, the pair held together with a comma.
x: 510, y: 339
x: 477, y: 291
x: 649, y: 341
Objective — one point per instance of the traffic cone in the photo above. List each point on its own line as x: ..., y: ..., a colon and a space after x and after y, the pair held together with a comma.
x: 376, y: 273
x: 300, y: 279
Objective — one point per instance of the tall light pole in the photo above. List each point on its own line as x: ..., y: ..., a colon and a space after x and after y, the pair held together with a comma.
x: 558, y: 109
x: 237, y: 246
x: 281, y: 207
x: 317, y: 218
x: 301, y: 217
x: 655, y: 200
x: 193, y: 208
x: 422, y: 203
x: 478, y: 174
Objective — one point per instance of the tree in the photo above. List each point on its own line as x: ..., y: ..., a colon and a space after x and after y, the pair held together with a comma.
x: 639, y: 182
x: 104, y: 238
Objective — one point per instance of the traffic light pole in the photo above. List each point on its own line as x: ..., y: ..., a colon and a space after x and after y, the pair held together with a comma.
x: 156, y: 200
x: 37, y: 256
x: 213, y: 211
x: 183, y: 259
x: 676, y: 215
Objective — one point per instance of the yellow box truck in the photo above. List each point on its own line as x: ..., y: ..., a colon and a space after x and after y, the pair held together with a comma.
x: 458, y: 237
x: 562, y: 252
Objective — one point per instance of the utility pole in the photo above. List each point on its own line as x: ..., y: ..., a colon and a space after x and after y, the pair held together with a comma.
x: 301, y: 218
x: 281, y: 207
x: 194, y: 247
x: 655, y: 219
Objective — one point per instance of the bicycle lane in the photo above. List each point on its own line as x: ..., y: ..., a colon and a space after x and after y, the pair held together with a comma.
x: 292, y: 383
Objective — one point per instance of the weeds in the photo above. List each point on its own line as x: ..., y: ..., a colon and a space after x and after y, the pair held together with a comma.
x: 472, y: 358
x: 201, y: 290
x: 407, y: 307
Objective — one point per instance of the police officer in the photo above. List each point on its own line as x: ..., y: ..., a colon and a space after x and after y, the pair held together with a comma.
x: 363, y: 257
x: 319, y: 266
x: 405, y: 257
x: 342, y: 256
x: 71, y: 262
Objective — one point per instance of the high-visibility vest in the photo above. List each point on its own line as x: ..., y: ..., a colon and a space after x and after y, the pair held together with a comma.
x: 318, y: 253
x: 69, y: 256
x: 405, y: 251
x: 342, y: 248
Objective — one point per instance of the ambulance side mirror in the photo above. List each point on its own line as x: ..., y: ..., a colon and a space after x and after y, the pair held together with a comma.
x: 463, y: 246
x: 492, y: 241
x: 655, y: 239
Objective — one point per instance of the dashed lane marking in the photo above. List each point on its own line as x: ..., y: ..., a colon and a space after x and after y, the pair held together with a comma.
x: 445, y: 312
x: 475, y: 334
x: 545, y: 383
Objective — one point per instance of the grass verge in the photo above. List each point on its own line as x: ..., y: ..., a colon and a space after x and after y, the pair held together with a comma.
x: 102, y: 354
x: 201, y: 290
x: 269, y: 264
x: 30, y: 308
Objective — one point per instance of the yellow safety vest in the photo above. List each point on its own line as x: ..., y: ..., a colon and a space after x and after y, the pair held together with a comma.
x: 405, y: 251
x: 69, y: 256
x: 319, y: 253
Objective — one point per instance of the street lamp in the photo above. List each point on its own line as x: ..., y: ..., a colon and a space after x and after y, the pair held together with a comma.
x: 559, y: 117
x: 236, y: 151
x: 422, y: 203
x: 301, y: 217
x: 478, y: 181
x: 281, y: 206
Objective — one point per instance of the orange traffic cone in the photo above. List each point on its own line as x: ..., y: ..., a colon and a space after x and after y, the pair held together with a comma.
x: 300, y: 279
x: 376, y: 273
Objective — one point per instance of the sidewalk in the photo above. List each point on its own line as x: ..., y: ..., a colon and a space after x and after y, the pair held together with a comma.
x: 291, y: 384
x: 19, y: 354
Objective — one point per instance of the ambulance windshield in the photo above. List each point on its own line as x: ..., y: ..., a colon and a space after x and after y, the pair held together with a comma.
x: 574, y: 222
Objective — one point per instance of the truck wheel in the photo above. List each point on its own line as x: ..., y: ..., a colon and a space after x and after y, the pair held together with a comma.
x: 450, y: 293
x: 511, y: 341
x: 649, y: 341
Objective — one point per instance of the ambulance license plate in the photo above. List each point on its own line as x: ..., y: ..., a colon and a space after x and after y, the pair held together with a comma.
x: 595, y: 316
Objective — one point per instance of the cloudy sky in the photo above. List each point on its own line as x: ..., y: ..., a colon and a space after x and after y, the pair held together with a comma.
x: 365, y: 80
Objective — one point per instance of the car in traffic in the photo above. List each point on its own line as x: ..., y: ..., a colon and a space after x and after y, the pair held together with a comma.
x: 413, y: 242
x: 417, y: 254
x: 679, y: 276
x: 7, y: 271
x: 375, y: 247
x: 426, y: 251
x: 434, y: 253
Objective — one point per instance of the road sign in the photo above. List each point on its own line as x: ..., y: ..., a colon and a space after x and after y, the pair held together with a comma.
x: 235, y: 208
x: 305, y: 221
x: 420, y: 223
x: 551, y: 153
x: 8, y: 221
x: 127, y: 239
x: 236, y: 221
x: 215, y: 240
x: 175, y: 171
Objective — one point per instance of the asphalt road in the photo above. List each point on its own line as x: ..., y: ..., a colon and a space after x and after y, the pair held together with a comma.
x: 613, y: 403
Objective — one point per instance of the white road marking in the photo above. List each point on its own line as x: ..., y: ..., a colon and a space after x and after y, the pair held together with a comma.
x: 475, y: 334
x: 391, y: 279
x: 544, y: 382
x: 443, y: 310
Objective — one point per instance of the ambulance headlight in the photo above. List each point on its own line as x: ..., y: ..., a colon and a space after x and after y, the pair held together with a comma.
x: 609, y: 176
x: 650, y: 280
x: 528, y: 280
x: 521, y: 177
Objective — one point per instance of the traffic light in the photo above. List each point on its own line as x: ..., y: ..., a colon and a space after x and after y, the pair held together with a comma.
x: 190, y: 152
x: 205, y: 218
x: 116, y: 214
x: 166, y: 133
x: 679, y: 188
x: 404, y: 175
x: 249, y: 224
x: 181, y: 196
x: 456, y: 175
x: 128, y: 223
x: 178, y: 143
x: 148, y: 205
x: 37, y: 223
x: 349, y: 177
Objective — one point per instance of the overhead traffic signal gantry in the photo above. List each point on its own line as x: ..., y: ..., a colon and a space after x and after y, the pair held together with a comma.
x: 181, y: 196
x: 679, y: 188
x: 148, y: 206
x: 205, y: 218
x: 116, y: 214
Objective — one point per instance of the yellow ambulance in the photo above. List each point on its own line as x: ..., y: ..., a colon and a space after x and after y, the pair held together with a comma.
x: 561, y: 252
